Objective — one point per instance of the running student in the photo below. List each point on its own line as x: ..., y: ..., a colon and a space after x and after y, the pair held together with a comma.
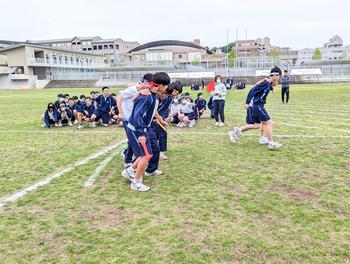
x: 257, y: 99
x: 138, y: 129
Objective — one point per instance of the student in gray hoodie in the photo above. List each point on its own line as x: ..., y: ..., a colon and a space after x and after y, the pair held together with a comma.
x: 219, y: 95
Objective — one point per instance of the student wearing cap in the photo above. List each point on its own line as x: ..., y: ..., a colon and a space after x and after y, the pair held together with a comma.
x: 256, y: 99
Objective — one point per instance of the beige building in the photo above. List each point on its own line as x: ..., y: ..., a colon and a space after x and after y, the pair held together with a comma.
x: 113, y: 50
x: 34, y: 65
x: 170, y: 52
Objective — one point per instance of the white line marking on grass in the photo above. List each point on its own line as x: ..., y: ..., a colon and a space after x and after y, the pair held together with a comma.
x: 313, y: 127
x: 91, y: 180
x: 17, y: 195
x: 256, y: 135
x: 63, y: 131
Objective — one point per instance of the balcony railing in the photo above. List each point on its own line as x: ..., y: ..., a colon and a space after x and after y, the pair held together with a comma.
x: 51, y: 62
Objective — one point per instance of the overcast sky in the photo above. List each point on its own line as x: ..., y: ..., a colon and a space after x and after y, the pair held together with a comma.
x: 294, y: 23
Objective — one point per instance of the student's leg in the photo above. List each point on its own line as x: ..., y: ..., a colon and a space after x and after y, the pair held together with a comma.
x: 216, y: 110
x: 282, y: 92
x: 154, y: 161
x: 287, y: 93
x: 267, y: 127
x: 222, y: 110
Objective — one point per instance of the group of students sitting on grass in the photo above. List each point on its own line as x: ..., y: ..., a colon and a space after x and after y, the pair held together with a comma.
x: 102, y: 109
x: 94, y: 109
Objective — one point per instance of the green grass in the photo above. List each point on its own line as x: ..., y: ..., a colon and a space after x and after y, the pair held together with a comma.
x: 218, y: 203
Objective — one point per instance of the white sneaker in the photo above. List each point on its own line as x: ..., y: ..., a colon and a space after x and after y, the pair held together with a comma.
x: 238, y: 132
x: 129, y: 173
x: 138, y: 186
x: 43, y: 125
x: 162, y: 156
x: 70, y: 124
x: 155, y: 173
x: 216, y: 124
x: 232, y: 136
x: 192, y: 122
x: 274, y: 145
x: 76, y: 122
x: 90, y: 124
x: 93, y: 124
x: 263, y: 141
x: 180, y: 124
x: 80, y: 127
x: 221, y: 124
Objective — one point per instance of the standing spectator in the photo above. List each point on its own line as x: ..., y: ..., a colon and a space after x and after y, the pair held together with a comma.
x: 285, y: 80
x: 219, y: 95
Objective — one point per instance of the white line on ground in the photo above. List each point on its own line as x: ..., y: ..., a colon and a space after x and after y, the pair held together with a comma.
x: 19, y: 194
x: 256, y: 135
x: 91, y: 180
x: 314, y: 127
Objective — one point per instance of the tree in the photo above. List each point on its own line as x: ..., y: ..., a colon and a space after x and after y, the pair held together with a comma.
x: 232, y: 57
x: 344, y: 55
x: 317, y: 54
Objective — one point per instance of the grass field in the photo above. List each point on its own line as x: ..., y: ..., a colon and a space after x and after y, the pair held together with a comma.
x: 217, y: 203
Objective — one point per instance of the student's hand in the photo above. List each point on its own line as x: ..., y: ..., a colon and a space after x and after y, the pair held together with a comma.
x: 145, y: 92
x: 246, y: 106
x: 165, y: 124
x: 120, y: 116
x: 142, y: 140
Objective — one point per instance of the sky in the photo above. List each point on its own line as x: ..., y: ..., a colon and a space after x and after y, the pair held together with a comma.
x: 296, y: 23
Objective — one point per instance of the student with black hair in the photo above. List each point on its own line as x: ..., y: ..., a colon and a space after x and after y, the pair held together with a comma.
x: 200, y: 105
x: 49, y: 116
x: 105, y: 106
x: 64, y: 115
x: 125, y: 104
x: 138, y: 130
x: 77, y: 111
x: 60, y: 100
x: 285, y: 80
x: 219, y: 95
x: 256, y: 99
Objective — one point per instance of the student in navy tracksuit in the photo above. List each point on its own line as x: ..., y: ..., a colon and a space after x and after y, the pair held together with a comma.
x: 64, y: 115
x: 200, y: 105
x: 139, y: 134
x: 161, y: 134
x: 211, y: 107
x: 255, y: 104
x: 88, y: 110
x: 105, y: 107
x: 50, y: 117
x: 60, y: 100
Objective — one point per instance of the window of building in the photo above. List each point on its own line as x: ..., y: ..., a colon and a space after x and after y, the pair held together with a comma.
x: 180, y: 56
x: 105, y: 46
x: 111, y: 46
x: 117, y: 46
x: 95, y: 47
x: 99, y: 47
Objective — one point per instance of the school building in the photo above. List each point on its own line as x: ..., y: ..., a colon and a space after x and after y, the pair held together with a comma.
x: 33, y: 66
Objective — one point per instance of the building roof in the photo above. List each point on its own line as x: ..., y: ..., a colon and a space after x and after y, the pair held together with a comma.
x: 48, y: 41
x: 48, y: 47
x: 161, y: 43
